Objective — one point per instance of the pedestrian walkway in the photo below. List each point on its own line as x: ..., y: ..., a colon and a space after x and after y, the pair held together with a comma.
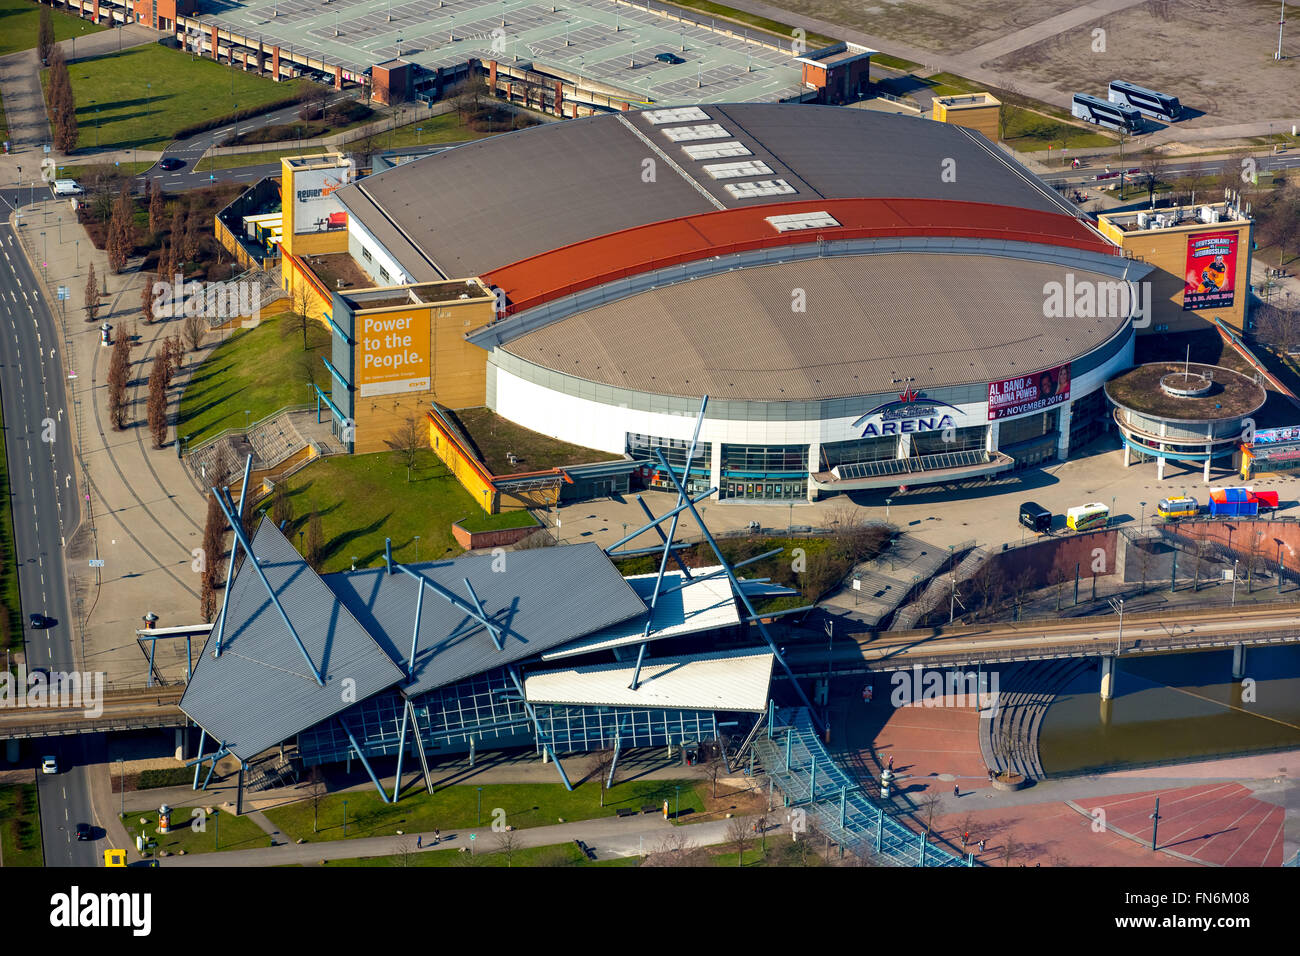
x: 145, y: 513
x: 609, y: 837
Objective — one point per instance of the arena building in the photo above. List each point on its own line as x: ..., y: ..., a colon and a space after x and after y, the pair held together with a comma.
x: 870, y: 300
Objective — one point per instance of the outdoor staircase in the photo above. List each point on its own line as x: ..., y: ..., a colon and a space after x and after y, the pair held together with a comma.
x: 1009, y: 739
x: 278, y: 771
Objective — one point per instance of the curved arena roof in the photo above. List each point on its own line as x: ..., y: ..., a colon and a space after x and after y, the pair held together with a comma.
x: 484, y: 205
x: 871, y: 321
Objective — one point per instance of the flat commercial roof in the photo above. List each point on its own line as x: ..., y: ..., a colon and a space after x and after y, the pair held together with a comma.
x: 871, y: 322
x: 699, y: 606
x: 723, y: 680
x: 484, y: 205
x: 610, y: 43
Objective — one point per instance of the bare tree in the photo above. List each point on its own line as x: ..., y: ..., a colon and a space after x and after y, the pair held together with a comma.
x: 281, y: 505
x: 675, y: 849
x: 1152, y: 165
x: 45, y: 36
x: 92, y: 294
x: 404, y: 851
x: 507, y: 843
x: 929, y: 808
x: 299, y: 317
x: 156, y: 208
x: 1010, y: 850
x: 315, y: 545
x: 407, y: 441
x: 598, y: 766
x: 156, y: 409
x: 714, y: 768
x: 739, y: 835
x: 316, y: 790
x: 195, y: 328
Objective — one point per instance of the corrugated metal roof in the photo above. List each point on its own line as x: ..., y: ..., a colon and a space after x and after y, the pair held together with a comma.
x: 724, y: 680
x: 562, y: 183
x: 871, y: 321
x: 701, y: 606
x: 539, y: 598
x: 260, y: 691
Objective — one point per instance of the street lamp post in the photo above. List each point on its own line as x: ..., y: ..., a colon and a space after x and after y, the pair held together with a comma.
x: 1234, y: 582
x: 887, y: 502
x: 122, y: 761
x: 1142, y: 515
x: 480, y: 805
x: 216, y: 825
x: 417, y: 549
x: 1117, y: 605
x: 345, y: 818
x: 1111, y: 516
x: 677, y: 805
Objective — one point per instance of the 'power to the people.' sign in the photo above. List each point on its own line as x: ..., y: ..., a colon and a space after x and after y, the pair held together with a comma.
x: 393, y: 353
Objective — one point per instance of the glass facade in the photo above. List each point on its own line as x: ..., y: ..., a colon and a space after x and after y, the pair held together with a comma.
x: 764, y: 472
x: 962, y: 439
x: 641, y: 448
x: 860, y: 449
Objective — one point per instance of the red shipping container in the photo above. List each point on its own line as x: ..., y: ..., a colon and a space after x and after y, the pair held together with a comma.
x: 1266, y: 499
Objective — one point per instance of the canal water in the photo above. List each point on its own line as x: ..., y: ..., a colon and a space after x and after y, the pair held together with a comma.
x: 1175, y: 707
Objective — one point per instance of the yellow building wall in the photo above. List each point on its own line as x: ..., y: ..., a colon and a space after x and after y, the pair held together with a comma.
x: 1166, y: 249
x: 292, y: 278
x: 981, y: 118
x: 460, y: 464
x: 311, y: 243
x: 457, y: 373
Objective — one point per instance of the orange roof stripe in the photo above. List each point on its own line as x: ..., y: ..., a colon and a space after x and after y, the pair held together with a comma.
x: 550, y: 275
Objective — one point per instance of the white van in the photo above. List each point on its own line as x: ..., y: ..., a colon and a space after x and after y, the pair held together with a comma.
x: 66, y: 187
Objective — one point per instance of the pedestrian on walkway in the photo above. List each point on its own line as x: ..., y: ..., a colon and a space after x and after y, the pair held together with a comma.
x: 419, y: 842
x: 956, y: 790
x: 981, y: 846
x: 990, y: 774
x: 437, y: 836
x: 965, y: 839
x: 890, y: 763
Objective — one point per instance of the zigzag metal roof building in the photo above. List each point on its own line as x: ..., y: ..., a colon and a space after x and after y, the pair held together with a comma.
x: 446, y: 656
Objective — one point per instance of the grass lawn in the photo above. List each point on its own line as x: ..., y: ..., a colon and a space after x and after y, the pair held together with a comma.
x: 950, y: 84
x: 896, y: 63
x: 11, y: 611
x: 185, y: 89
x: 211, y: 163
x: 445, y: 128
x: 815, y: 40
x: 1029, y: 131
x: 363, y: 499
x: 495, y: 438
x: 20, y: 826
x: 455, y: 808
x: 482, y: 521
x: 20, y: 19
x: 491, y: 854
x: 236, y: 833
x: 255, y: 369
x: 81, y: 171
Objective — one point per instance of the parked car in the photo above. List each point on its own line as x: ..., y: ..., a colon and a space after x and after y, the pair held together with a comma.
x: 669, y: 58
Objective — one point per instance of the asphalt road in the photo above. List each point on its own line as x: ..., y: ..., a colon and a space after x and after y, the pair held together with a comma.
x: 43, y: 498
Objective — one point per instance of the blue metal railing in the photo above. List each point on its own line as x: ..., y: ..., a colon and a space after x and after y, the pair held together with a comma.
x: 805, y: 772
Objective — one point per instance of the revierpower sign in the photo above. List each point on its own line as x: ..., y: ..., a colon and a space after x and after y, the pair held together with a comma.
x: 1030, y: 393
x: 393, y: 353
